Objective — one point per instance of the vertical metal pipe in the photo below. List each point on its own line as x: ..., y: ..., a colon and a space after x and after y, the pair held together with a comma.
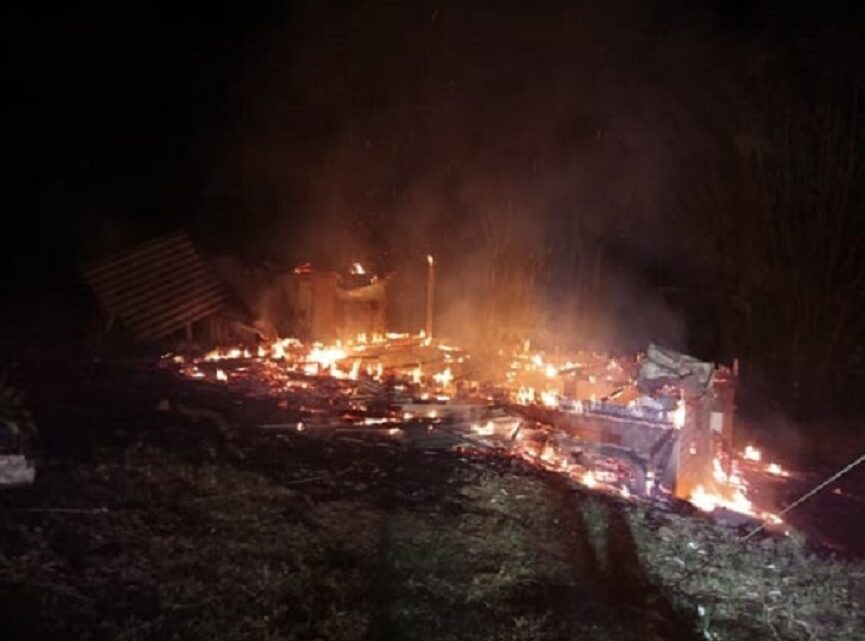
x: 430, y: 294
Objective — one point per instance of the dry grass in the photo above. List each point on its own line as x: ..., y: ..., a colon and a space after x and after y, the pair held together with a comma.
x: 301, y: 540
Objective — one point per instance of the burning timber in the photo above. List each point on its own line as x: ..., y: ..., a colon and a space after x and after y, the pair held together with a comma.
x: 656, y: 425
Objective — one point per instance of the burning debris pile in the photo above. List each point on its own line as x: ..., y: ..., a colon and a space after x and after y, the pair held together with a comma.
x: 656, y: 425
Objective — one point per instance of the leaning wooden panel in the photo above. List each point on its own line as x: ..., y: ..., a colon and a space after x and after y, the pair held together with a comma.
x: 157, y: 288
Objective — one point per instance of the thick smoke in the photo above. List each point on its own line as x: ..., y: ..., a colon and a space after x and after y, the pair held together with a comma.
x: 531, y: 150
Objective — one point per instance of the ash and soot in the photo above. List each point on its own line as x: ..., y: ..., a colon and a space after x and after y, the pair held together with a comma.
x: 435, y: 320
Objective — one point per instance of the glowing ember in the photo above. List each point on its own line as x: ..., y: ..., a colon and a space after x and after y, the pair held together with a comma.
x: 776, y: 470
x: 718, y: 472
x: 488, y: 429
x: 549, y: 455
x: 751, y: 453
x: 280, y: 348
x: 444, y: 378
x: 352, y: 375
x: 233, y: 353
x: 525, y: 396
x: 355, y: 370
x: 679, y: 415
x: 709, y: 501
x: 702, y: 500
x: 326, y: 357
x: 734, y: 500
x: 550, y: 399
x: 588, y: 479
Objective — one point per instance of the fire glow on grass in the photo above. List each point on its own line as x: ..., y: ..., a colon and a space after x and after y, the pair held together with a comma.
x: 729, y: 491
x: 733, y: 488
x: 530, y: 377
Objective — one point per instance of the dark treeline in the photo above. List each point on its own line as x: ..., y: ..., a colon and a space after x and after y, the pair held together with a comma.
x: 777, y: 206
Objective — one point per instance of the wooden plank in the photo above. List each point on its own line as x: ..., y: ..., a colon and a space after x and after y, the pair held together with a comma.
x: 195, y: 310
x: 187, y: 278
x: 170, y: 306
x: 122, y: 282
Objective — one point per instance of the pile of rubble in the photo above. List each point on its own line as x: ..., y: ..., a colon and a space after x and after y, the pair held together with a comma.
x: 658, y: 424
x: 655, y: 425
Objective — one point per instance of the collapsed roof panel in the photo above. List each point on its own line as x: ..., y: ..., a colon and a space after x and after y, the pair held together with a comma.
x: 157, y: 288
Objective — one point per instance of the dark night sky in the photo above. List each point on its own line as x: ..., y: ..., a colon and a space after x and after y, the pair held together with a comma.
x: 120, y: 101
x: 300, y: 130
x: 126, y: 109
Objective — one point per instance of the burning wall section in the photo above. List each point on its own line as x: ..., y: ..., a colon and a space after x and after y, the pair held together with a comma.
x: 311, y: 304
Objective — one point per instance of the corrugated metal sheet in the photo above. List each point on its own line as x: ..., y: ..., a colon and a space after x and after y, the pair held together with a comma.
x: 157, y: 288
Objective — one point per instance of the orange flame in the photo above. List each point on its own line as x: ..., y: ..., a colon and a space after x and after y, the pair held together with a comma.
x: 528, y: 376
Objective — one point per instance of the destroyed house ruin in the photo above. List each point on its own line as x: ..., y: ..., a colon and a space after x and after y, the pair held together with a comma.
x: 661, y: 421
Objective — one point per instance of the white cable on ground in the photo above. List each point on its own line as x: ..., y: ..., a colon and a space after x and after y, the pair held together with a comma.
x: 807, y: 496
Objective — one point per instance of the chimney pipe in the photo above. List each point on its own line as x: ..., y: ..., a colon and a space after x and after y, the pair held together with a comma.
x: 430, y: 294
